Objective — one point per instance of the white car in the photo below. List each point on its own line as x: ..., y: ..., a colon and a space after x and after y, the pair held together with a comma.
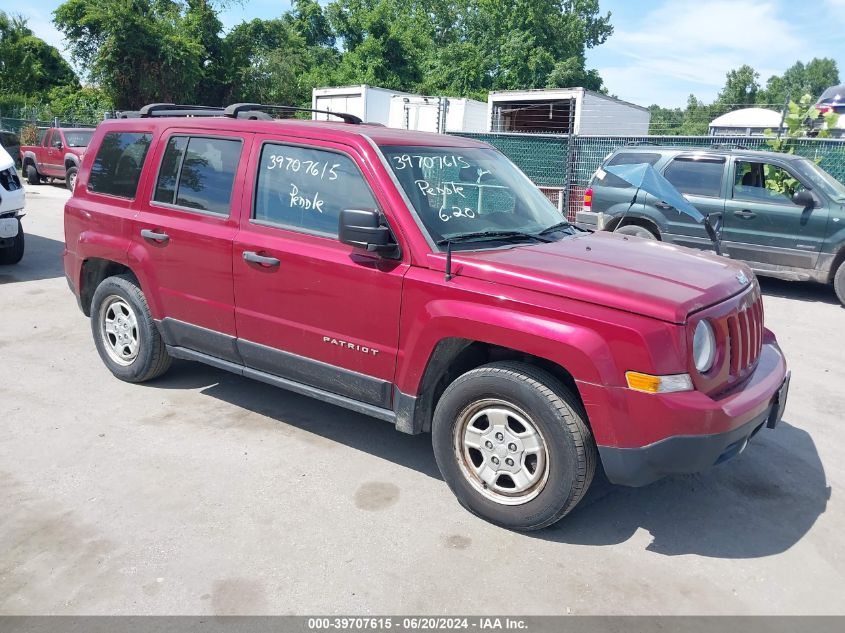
x: 12, y: 201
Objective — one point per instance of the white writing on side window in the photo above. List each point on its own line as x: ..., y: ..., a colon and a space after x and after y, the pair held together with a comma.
x: 316, y: 168
x: 312, y: 202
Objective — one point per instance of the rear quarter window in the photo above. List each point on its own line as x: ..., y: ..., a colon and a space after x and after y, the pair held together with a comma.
x: 606, y: 179
x: 118, y: 163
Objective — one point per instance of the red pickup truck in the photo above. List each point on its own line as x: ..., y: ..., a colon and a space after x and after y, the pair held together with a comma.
x: 420, y: 279
x: 58, y: 154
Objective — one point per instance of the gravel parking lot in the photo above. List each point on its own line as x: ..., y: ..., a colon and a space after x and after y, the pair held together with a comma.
x: 206, y: 493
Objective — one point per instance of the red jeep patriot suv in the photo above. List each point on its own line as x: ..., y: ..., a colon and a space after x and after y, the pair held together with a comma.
x: 421, y: 279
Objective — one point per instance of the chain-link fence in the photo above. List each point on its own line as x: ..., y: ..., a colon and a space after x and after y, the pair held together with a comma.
x: 562, y: 165
x: 15, y: 125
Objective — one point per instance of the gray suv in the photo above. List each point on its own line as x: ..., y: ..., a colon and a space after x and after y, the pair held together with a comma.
x: 782, y: 214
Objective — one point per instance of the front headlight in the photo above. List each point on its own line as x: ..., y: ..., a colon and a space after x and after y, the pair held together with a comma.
x: 704, y: 346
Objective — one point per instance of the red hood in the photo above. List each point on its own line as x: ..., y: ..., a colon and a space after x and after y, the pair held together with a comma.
x: 641, y: 276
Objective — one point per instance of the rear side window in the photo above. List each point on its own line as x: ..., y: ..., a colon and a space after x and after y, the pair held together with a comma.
x: 305, y: 189
x: 117, y: 166
x: 198, y: 173
x: 696, y: 177
x: 625, y: 158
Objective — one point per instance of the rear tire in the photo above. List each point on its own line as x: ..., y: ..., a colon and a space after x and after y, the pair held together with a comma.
x: 839, y: 283
x: 637, y: 231
x: 14, y: 253
x: 32, y: 176
x: 70, y: 178
x: 125, y: 334
x: 513, y: 445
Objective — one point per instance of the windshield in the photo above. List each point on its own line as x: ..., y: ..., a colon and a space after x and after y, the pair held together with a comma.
x: 819, y: 177
x: 77, y: 138
x: 457, y: 191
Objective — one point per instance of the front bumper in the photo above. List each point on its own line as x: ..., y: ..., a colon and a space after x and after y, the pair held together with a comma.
x: 685, y: 454
x: 642, y: 437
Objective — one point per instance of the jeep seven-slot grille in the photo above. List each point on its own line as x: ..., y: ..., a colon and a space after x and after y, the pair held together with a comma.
x: 745, y: 336
x: 9, y: 179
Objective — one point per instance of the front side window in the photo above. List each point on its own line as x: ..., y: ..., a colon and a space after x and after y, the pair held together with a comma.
x: 696, y: 177
x: 764, y: 182
x: 458, y: 191
x: 198, y: 173
x: 118, y: 164
x: 305, y: 189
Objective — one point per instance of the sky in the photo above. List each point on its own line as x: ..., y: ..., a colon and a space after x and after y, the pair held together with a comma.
x: 661, y: 51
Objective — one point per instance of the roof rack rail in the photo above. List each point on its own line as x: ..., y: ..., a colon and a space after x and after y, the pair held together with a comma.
x: 237, y: 108
x: 173, y: 109
x: 727, y: 146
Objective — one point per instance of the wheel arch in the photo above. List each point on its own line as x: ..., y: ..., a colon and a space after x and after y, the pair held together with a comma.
x: 94, y: 271
x: 454, y: 356
x: 635, y: 220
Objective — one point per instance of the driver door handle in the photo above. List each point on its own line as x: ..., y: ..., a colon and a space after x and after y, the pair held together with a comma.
x: 155, y: 236
x: 255, y: 258
x: 745, y: 214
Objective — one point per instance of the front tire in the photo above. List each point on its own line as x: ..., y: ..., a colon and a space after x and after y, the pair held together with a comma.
x: 839, y: 283
x: 70, y: 178
x: 14, y: 253
x: 32, y: 176
x: 513, y: 445
x: 125, y: 334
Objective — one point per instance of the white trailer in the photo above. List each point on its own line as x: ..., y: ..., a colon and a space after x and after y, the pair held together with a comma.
x: 370, y: 103
x: 437, y: 114
x: 565, y: 111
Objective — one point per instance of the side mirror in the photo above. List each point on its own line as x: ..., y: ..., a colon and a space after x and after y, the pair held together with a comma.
x: 804, y: 199
x: 362, y: 228
x: 58, y: 145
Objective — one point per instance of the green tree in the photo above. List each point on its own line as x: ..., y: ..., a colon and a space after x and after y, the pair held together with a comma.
x: 799, y: 80
x: 741, y: 87
x: 28, y: 65
x: 137, y: 51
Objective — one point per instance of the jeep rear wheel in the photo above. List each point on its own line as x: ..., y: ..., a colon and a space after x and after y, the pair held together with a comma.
x: 125, y: 334
x: 32, y: 176
x: 513, y: 445
x: 839, y: 283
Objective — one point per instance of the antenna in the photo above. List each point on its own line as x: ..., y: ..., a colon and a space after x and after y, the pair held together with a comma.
x: 449, y: 274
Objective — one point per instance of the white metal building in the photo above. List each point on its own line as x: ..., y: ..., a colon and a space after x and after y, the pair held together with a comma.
x: 437, y: 114
x: 746, y: 122
x: 565, y: 111
x: 370, y: 103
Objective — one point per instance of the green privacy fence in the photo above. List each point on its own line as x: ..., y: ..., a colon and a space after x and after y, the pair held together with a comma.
x: 567, y: 162
x: 15, y: 125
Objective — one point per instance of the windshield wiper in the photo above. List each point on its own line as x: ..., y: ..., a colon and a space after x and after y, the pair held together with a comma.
x: 556, y: 227
x: 478, y: 236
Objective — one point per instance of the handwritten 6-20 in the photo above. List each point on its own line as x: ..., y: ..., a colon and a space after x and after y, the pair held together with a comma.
x: 318, y: 169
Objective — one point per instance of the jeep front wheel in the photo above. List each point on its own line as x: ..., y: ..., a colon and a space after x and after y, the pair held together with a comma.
x: 125, y: 334
x: 513, y: 445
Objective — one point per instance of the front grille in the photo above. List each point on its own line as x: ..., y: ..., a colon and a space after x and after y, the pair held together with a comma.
x: 745, y: 336
x: 9, y: 179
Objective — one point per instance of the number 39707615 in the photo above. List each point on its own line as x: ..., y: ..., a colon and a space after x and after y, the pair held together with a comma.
x: 318, y: 169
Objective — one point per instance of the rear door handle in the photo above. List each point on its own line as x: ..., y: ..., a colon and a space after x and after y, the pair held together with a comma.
x: 155, y: 236
x: 745, y: 214
x: 255, y: 258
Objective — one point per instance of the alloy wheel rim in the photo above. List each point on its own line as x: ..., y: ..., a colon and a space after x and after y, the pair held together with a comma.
x: 119, y: 330
x: 501, y: 452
